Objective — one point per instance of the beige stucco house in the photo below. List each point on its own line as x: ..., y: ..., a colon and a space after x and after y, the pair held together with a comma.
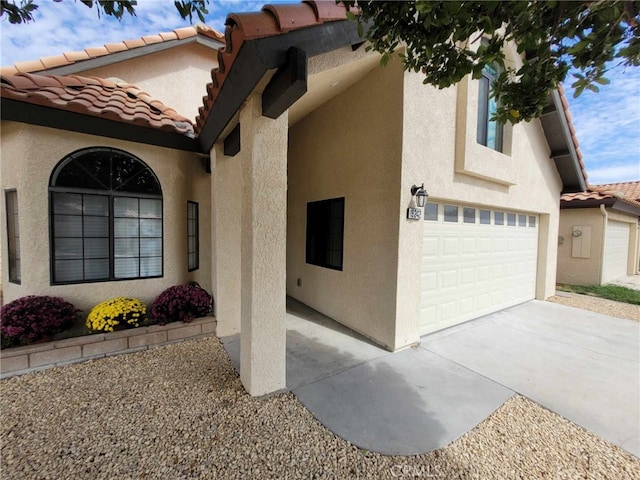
x: 598, y: 240
x: 303, y: 162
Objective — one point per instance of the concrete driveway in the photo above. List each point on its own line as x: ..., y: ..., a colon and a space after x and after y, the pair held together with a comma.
x: 582, y: 365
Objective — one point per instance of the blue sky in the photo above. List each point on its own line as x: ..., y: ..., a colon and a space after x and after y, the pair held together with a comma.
x: 607, y: 123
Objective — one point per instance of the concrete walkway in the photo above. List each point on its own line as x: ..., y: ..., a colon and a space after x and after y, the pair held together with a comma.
x: 581, y: 365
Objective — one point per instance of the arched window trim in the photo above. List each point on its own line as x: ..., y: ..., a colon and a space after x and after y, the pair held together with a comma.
x: 123, y: 255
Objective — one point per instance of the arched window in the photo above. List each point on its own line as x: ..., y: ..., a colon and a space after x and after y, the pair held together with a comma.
x: 106, y: 218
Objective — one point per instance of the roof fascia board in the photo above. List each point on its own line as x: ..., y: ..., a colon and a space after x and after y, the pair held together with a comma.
x: 258, y: 56
x: 589, y: 203
x: 111, y: 58
x: 559, y: 111
x: 624, y: 207
x: 22, y: 112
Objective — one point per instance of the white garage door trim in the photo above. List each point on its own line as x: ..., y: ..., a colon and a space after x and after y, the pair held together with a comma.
x: 484, y: 261
x: 616, y: 251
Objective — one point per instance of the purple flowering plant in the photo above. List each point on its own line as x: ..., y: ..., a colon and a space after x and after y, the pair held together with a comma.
x: 181, y: 303
x: 32, y: 318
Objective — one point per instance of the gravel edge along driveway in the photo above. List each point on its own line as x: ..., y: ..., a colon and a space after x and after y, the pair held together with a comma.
x: 179, y: 411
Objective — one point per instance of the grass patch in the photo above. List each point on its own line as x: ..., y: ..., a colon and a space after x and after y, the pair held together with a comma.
x: 610, y: 292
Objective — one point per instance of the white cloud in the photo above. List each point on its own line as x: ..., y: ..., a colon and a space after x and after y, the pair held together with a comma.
x: 614, y: 174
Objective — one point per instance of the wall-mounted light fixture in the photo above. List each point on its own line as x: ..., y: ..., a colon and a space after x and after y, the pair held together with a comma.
x: 418, y: 199
x: 420, y: 195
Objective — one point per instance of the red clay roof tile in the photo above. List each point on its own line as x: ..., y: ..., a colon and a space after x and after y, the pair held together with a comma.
x: 112, y: 99
x: 629, y: 192
x: 272, y: 20
x: 109, y: 48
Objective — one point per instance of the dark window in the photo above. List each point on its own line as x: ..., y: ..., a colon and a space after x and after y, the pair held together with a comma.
x: 489, y: 132
x: 431, y: 211
x: 450, y: 213
x: 469, y: 215
x: 106, y: 218
x: 498, y: 218
x: 325, y: 233
x: 13, y: 235
x: 532, y: 221
x: 485, y: 217
x: 522, y: 220
x: 511, y: 219
x: 193, y: 240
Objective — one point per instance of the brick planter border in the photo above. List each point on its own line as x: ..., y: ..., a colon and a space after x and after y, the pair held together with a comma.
x: 31, y: 358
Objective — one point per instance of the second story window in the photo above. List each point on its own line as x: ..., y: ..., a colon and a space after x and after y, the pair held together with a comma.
x: 489, y: 132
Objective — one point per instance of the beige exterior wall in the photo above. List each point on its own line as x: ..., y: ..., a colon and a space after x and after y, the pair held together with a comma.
x: 29, y: 154
x: 580, y: 259
x: 440, y: 150
x: 351, y: 147
x: 177, y: 76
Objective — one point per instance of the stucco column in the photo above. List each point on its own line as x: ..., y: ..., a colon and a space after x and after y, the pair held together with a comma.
x: 264, y: 236
x: 226, y: 210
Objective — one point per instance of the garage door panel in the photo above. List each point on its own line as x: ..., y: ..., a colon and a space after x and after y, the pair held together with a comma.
x: 616, y: 251
x: 470, y: 270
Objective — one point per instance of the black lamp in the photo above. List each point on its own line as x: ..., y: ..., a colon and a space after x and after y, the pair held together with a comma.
x: 420, y: 194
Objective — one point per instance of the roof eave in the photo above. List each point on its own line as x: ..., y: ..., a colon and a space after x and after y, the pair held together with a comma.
x: 565, y: 156
x: 258, y: 56
x: 24, y: 112
x: 111, y: 58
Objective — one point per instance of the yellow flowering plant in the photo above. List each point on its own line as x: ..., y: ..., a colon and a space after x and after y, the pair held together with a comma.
x: 116, y: 313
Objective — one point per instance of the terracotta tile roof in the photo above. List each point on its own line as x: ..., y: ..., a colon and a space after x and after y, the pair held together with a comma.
x: 629, y: 192
x: 270, y: 21
x: 110, y: 99
x: 574, y: 138
x: 68, y: 58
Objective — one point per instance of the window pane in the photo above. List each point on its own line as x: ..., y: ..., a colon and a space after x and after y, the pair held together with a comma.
x: 431, y: 211
x: 522, y: 220
x: 450, y: 213
x: 67, y: 203
x: 126, y: 227
x: 67, y: 248
x: 13, y: 236
x: 325, y: 227
x: 485, y: 217
x: 511, y: 219
x: 150, y: 228
x: 96, y: 269
x: 96, y: 248
x: 96, y: 226
x: 126, y: 247
x: 68, y: 270
x: 66, y: 226
x: 532, y: 221
x: 498, y: 218
x: 151, y: 267
x: 150, y: 208
x: 96, y: 205
x: 125, y: 207
x: 126, y: 268
x: 469, y: 215
x: 150, y: 247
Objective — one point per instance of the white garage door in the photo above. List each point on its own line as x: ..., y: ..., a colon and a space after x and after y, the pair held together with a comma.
x: 616, y: 251
x: 475, y: 261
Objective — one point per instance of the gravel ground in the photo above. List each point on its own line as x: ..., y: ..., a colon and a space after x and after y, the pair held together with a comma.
x: 599, y: 305
x: 180, y: 411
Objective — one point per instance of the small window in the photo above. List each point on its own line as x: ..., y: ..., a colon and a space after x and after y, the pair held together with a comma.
x: 13, y: 235
x: 498, y: 218
x: 450, y: 213
x: 532, y: 221
x: 511, y: 219
x: 431, y: 212
x: 193, y: 240
x: 485, y: 217
x: 489, y: 132
x: 522, y: 220
x: 325, y: 233
x: 469, y: 215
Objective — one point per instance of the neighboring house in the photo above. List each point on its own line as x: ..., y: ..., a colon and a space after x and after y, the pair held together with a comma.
x: 302, y: 161
x: 598, y: 238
